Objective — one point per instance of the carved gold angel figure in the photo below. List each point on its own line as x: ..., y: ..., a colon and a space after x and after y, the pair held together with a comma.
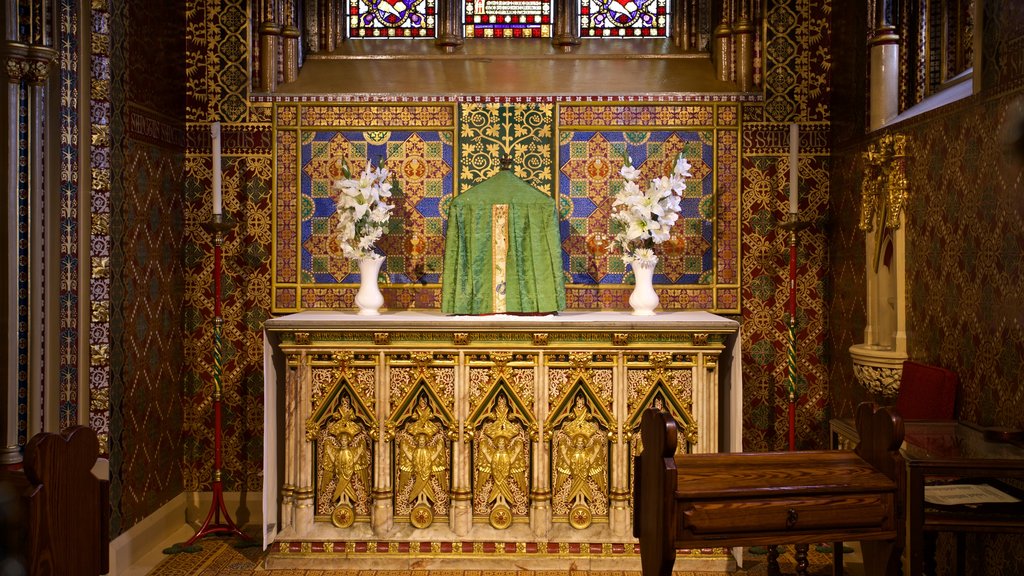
x: 501, y: 448
x: 348, y: 455
x: 422, y: 458
x: 580, y: 457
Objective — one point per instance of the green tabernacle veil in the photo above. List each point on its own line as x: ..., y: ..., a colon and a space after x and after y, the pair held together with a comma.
x: 502, y: 250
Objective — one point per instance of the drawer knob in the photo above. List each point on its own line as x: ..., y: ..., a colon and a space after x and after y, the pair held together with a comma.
x: 791, y: 518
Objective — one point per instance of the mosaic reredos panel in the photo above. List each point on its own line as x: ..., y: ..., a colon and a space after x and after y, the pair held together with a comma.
x: 573, y: 152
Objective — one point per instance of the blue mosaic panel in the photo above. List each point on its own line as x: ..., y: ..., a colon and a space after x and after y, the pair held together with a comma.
x: 421, y: 163
x: 588, y: 180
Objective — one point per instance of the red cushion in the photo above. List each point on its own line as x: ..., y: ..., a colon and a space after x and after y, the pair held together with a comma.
x: 927, y: 392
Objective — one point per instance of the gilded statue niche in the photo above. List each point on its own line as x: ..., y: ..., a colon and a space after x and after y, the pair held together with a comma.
x: 344, y: 450
x: 580, y: 438
x: 422, y: 458
x: 345, y: 454
x: 878, y: 361
x: 502, y: 431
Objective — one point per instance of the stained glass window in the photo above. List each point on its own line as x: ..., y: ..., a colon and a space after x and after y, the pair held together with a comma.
x: 623, y: 18
x: 391, y: 19
x: 508, y: 18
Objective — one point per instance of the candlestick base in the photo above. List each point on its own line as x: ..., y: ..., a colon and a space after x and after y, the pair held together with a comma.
x: 794, y: 224
x: 214, y: 524
x: 218, y: 223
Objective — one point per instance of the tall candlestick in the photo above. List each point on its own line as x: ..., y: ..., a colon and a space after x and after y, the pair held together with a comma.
x: 215, y: 134
x: 794, y: 145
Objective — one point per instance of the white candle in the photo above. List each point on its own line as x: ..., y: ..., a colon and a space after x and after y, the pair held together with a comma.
x: 794, y: 145
x: 215, y: 134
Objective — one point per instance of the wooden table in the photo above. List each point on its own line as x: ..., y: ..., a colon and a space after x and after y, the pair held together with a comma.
x: 949, y: 450
x: 748, y: 499
x: 941, y: 451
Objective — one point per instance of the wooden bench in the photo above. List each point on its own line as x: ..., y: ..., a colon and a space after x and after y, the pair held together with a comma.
x: 752, y: 499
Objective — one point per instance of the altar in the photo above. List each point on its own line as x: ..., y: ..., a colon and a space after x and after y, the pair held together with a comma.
x: 416, y: 440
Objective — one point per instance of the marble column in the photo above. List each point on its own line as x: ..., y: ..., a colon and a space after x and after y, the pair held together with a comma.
x: 540, y: 491
x: 885, y: 76
x: 618, y: 489
x: 304, y: 498
x: 461, y: 511
x: 291, y: 376
x: 382, y: 515
x: 884, y: 62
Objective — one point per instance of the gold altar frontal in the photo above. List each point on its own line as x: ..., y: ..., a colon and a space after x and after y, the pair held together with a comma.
x: 414, y: 440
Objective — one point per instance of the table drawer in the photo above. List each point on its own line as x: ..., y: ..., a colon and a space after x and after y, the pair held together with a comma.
x: 798, y: 514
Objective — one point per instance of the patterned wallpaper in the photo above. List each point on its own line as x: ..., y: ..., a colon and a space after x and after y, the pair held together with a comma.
x: 965, y: 257
x: 798, y: 65
x: 964, y: 245
x: 146, y: 140
x: 964, y: 224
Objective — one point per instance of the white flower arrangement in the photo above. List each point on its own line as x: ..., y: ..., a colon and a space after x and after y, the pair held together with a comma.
x: 363, y: 211
x: 645, y: 218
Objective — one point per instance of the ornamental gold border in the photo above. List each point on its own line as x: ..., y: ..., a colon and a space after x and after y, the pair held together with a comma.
x: 323, y: 342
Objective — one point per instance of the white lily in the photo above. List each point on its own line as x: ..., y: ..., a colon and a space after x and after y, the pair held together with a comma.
x: 362, y: 212
x: 646, y: 217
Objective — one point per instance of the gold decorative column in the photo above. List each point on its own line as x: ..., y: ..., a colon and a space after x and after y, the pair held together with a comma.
x: 290, y: 44
x: 722, y: 51
x: 744, y: 31
x: 566, y: 24
x: 270, y: 32
x: 329, y: 20
x: 42, y: 414
x: 682, y: 23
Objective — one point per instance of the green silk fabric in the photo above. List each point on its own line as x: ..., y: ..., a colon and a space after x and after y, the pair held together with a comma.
x: 534, y: 282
